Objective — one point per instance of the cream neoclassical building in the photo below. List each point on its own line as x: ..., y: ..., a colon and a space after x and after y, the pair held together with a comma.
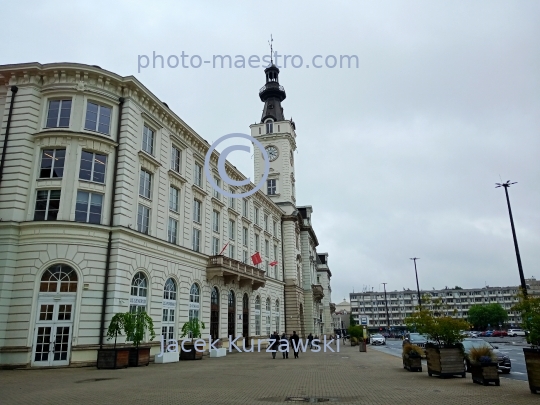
x: 105, y: 207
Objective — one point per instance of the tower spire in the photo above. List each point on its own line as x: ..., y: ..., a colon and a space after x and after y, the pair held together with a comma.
x: 271, y: 50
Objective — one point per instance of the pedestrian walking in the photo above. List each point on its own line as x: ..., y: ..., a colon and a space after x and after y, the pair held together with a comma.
x: 284, y: 340
x: 275, y: 344
x: 294, y: 342
x: 310, y: 340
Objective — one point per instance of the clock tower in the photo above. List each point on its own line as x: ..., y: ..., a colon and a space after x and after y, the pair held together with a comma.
x: 278, y: 137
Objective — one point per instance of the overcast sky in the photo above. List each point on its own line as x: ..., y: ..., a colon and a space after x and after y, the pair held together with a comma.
x: 398, y: 157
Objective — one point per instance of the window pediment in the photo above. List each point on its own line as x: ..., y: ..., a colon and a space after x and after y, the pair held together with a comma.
x: 176, y: 179
x: 148, y: 162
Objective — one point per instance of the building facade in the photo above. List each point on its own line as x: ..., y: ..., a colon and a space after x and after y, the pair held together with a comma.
x: 105, y: 207
x: 369, y: 308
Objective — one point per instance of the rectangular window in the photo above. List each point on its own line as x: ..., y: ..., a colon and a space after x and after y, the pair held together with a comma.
x: 275, y: 252
x: 215, y: 246
x: 231, y: 200
x: 58, y: 114
x: 98, y: 118
x: 232, y: 229
x: 145, y: 186
x: 148, y: 140
x: 93, y: 167
x: 88, y: 207
x: 256, y: 243
x: 173, y: 199
x: 52, y: 163
x: 245, y: 208
x: 266, y: 222
x: 274, y: 230
x: 256, y: 216
x: 196, y: 239
x: 245, y: 256
x: 143, y: 219
x: 218, y: 183
x: 266, y: 266
x: 245, y: 236
x: 176, y: 159
x: 231, y: 251
x: 197, y: 211
x: 198, y: 175
x: 172, y: 231
x: 47, y: 205
x: 266, y: 248
x: 271, y: 187
x: 215, y: 221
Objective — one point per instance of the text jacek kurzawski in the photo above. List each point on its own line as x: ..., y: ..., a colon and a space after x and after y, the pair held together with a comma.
x: 283, y: 345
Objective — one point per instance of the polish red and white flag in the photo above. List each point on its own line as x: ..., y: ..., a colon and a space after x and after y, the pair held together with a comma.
x: 256, y: 258
x: 273, y: 263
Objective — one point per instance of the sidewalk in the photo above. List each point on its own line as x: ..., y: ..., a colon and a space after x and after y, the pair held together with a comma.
x: 347, y: 377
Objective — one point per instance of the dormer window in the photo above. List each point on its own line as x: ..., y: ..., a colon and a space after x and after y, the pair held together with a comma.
x: 269, y: 126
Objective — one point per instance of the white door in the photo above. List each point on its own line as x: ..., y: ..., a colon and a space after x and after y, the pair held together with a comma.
x: 52, y: 334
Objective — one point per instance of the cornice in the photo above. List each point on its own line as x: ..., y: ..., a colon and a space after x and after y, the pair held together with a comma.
x: 198, y: 192
x: 217, y: 204
x: 148, y: 162
x: 176, y: 179
x: 68, y: 135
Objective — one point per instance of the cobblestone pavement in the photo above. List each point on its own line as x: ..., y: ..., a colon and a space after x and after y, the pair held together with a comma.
x: 347, y: 377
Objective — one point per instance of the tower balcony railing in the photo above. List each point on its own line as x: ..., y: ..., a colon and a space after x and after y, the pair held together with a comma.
x: 271, y: 86
x: 232, y: 271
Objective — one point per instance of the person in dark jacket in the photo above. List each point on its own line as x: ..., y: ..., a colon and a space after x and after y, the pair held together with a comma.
x: 310, y: 340
x: 274, y: 346
x: 294, y: 343
x: 284, y: 340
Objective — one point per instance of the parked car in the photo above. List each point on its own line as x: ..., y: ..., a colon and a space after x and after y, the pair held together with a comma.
x: 503, y: 361
x: 415, y: 339
x: 499, y: 333
x: 516, y: 332
x: 487, y: 333
x: 378, y: 339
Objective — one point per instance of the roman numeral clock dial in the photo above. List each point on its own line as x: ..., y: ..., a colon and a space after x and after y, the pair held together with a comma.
x: 272, y: 153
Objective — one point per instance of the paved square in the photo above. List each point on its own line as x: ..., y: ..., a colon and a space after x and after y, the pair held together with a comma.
x: 347, y: 377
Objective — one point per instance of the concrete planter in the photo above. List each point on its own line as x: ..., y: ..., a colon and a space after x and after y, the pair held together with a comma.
x: 485, y: 373
x: 532, y: 361
x: 167, y: 357
x: 445, y: 362
x: 221, y: 352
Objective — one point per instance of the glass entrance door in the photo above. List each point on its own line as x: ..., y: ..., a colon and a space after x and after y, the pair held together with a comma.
x: 52, y: 336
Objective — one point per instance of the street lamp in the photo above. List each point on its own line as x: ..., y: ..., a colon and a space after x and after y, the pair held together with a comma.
x: 417, y: 285
x: 386, y: 306
x: 520, y: 268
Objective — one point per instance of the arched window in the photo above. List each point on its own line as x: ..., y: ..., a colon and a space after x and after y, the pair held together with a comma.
x: 194, y: 301
x: 231, y: 318
x: 258, y: 316
x: 169, y: 309
x: 269, y: 126
x: 276, y: 314
x: 139, y: 289
x: 58, y: 279
x: 268, y: 317
x: 214, y: 313
x: 245, y: 317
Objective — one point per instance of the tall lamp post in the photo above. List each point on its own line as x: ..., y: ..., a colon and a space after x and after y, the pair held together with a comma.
x: 386, y: 306
x: 417, y: 285
x: 520, y: 268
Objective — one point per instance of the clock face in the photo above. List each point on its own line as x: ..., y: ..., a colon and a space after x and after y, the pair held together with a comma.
x: 272, y: 153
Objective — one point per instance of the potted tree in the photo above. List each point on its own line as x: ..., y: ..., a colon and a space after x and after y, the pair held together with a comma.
x: 114, y: 357
x: 354, y: 341
x: 412, y: 357
x: 530, y: 315
x: 191, y: 329
x: 484, y: 368
x: 444, y: 352
x: 136, y: 325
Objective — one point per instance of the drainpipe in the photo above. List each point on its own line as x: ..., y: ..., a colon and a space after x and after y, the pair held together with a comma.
x: 111, y: 216
x: 14, y: 90
x: 283, y: 274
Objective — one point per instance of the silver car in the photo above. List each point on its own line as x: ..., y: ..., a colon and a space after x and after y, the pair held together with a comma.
x: 378, y: 339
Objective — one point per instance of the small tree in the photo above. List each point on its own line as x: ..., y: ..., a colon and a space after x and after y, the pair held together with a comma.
x: 529, y: 307
x: 434, y: 321
x: 356, y: 332
x: 116, y: 327
x: 192, y: 329
x: 136, y: 325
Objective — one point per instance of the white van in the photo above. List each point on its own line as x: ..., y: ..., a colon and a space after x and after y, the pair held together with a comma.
x: 516, y: 332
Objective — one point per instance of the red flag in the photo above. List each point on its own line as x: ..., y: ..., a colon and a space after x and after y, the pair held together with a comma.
x: 222, y: 250
x: 273, y: 263
x: 256, y: 258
